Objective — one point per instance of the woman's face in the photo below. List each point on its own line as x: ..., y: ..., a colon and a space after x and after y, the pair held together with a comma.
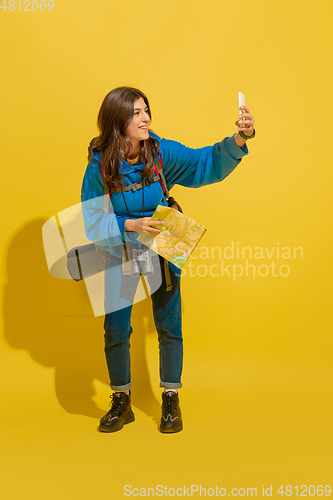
x: 137, y: 130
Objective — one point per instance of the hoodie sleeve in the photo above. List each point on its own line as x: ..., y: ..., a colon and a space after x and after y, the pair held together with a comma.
x: 199, y: 167
x: 103, y: 228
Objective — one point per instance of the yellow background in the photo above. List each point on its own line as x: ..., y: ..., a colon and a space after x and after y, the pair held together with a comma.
x: 257, y: 395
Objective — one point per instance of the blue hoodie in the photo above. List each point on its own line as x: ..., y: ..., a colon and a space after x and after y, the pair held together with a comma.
x: 181, y: 165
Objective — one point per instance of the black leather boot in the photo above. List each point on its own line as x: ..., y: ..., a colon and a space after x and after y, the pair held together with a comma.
x: 171, y: 420
x: 120, y: 413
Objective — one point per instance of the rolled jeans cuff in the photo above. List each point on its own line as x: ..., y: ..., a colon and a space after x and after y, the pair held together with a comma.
x: 118, y: 388
x: 171, y: 385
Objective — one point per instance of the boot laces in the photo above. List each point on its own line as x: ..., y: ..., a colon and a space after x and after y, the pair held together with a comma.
x: 115, y: 406
x: 170, y: 404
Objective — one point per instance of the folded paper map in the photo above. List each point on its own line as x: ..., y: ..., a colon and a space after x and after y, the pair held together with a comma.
x: 178, y: 237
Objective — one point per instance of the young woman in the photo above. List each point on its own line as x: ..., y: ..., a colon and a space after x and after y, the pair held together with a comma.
x: 124, y: 157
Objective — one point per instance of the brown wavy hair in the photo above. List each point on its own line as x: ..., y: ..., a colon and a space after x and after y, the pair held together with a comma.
x: 115, y: 114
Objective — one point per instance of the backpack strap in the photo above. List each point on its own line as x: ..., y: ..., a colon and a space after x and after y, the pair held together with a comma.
x: 159, y: 170
x: 106, y: 191
x: 138, y: 185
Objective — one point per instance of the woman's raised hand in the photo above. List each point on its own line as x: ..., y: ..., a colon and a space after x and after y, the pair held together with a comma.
x: 143, y: 225
x: 245, y: 122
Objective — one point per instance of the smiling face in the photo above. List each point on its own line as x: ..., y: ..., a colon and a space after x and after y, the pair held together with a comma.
x: 137, y: 130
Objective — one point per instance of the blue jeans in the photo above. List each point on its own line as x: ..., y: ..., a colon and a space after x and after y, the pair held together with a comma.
x: 168, y: 322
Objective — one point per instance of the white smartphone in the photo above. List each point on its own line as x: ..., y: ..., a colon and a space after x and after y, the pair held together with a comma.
x: 241, y: 101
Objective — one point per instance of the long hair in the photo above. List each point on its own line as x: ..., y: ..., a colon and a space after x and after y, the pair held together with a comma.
x: 115, y: 114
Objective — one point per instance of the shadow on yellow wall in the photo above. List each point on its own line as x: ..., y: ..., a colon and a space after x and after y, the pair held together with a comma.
x: 53, y: 320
